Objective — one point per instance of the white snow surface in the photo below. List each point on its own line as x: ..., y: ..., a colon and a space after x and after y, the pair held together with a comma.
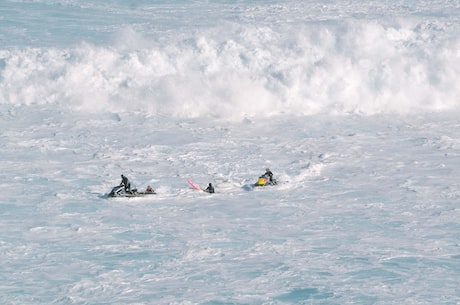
x: 353, y: 105
x: 366, y: 211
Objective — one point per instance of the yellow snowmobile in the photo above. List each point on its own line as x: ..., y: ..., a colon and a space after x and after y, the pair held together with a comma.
x: 264, y: 181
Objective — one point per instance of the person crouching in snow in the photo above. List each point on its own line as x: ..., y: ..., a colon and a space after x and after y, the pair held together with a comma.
x: 210, y: 188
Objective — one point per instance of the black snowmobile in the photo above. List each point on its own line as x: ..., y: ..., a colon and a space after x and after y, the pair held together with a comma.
x: 119, y: 191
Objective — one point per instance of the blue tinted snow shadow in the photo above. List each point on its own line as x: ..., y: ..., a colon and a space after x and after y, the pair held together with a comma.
x: 301, y: 294
x: 375, y: 272
x: 220, y: 303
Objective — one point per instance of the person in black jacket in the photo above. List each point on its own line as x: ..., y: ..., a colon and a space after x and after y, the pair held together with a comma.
x: 125, y: 182
x: 268, y: 174
x: 210, y: 188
